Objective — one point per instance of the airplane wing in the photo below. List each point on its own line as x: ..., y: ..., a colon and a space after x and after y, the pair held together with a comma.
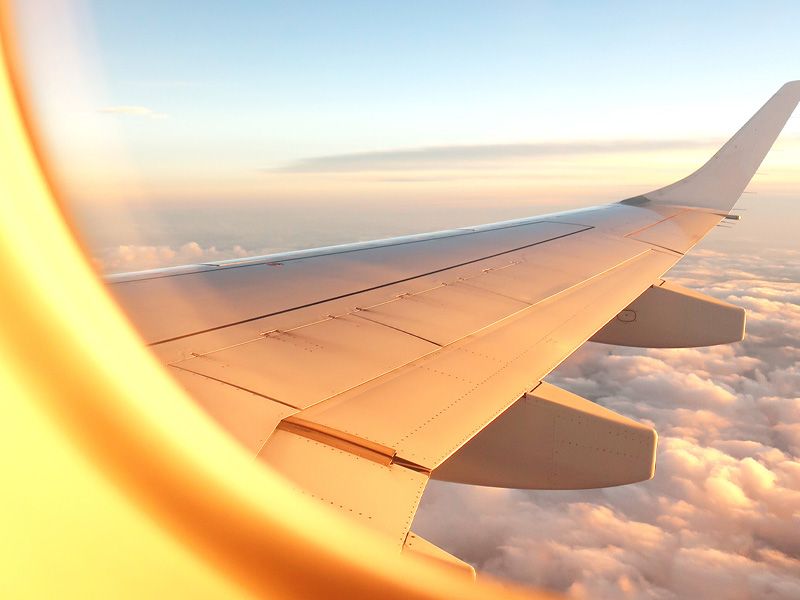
x: 361, y: 371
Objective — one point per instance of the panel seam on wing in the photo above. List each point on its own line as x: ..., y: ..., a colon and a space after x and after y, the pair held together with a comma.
x: 238, y: 387
x: 368, y: 289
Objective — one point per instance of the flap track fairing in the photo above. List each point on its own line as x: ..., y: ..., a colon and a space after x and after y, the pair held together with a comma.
x: 552, y: 439
x: 667, y: 315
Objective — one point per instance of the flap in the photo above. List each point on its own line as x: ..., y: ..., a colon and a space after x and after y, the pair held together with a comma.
x: 379, y: 495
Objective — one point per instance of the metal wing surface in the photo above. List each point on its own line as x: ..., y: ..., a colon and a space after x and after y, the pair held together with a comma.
x: 361, y: 371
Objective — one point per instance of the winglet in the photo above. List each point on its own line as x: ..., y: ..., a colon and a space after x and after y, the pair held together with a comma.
x: 718, y: 184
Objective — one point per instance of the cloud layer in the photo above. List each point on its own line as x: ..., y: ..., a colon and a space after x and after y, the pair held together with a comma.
x: 721, y: 518
x: 138, y: 257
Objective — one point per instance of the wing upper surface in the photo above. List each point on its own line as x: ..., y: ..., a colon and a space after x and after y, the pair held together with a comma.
x: 414, y: 349
x: 358, y: 370
x: 427, y: 409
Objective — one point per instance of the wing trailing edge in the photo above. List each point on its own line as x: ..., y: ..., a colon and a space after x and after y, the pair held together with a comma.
x: 418, y: 546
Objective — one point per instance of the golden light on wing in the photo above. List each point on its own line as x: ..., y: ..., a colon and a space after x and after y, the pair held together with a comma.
x: 114, y: 482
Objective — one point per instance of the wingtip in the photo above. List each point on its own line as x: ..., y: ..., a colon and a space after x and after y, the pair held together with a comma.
x: 791, y: 85
x: 791, y: 91
x: 718, y: 184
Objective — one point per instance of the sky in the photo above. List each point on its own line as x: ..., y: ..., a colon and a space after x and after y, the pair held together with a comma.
x: 365, y: 103
x: 188, y: 131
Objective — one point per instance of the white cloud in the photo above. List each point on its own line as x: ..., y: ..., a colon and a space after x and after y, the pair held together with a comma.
x: 138, y: 257
x: 721, y: 518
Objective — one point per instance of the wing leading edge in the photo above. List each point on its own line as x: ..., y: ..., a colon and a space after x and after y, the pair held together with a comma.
x: 361, y: 371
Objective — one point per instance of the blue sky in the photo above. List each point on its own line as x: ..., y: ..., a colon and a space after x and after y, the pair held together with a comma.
x: 303, y: 78
x: 190, y: 101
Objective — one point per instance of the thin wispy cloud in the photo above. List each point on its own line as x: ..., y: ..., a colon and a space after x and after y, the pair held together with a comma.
x: 133, y: 111
x: 437, y: 157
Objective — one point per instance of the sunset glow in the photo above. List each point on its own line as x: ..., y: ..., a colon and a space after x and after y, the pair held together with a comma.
x: 189, y: 132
